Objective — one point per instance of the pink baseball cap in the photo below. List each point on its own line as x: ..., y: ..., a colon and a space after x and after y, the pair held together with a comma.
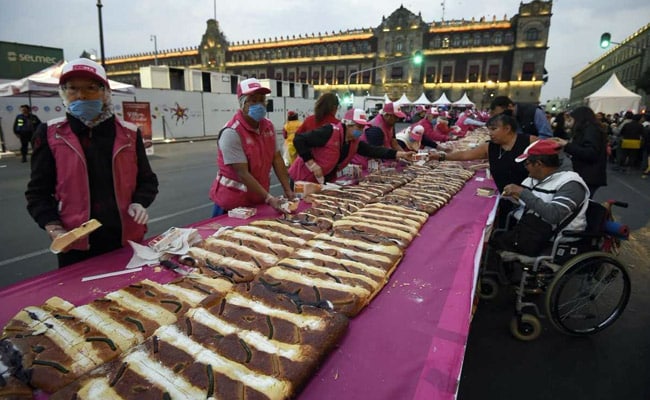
x: 357, y: 116
x: 420, y: 108
x: 392, y: 108
x: 83, y: 68
x: 539, y: 148
x: 416, y: 133
x: 250, y: 86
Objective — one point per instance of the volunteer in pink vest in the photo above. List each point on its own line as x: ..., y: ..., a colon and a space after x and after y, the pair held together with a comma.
x: 328, y: 149
x: 89, y: 164
x: 381, y: 131
x: 248, y: 148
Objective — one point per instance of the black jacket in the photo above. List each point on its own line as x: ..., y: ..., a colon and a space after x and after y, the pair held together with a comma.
x: 588, y: 151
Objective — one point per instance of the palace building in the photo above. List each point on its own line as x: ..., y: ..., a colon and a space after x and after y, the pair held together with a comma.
x: 483, y: 57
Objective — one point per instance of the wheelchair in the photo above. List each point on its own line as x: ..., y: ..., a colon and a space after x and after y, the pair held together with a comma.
x: 585, y: 287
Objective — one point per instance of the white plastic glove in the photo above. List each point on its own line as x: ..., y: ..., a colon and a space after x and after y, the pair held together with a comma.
x: 139, y: 213
x: 316, y: 170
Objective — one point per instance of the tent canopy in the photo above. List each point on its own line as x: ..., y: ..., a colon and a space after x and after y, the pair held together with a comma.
x: 387, y: 99
x: 463, y: 101
x: 422, y: 100
x: 403, y: 101
x: 613, y: 97
x: 442, y: 101
x: 45, y: 83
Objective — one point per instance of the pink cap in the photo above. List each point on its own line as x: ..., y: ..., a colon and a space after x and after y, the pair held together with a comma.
x: 416, y: 133
x: 433, y: 111
x: 357, y: 116
x: 419, y: 109
x: 250, y: 86
x: 83, y: 68
x: 392, y: 108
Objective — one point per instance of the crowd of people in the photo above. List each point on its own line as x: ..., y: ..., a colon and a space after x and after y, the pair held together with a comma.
x: 90, y: 164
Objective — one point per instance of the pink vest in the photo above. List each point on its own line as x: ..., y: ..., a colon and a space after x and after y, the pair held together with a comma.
x: 388, y: 130
x: 72, y: 189
x: 259, y: 147
x: 326, y: 156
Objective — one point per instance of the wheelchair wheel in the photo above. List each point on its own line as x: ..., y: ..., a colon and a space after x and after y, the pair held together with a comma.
x: 489, y: 288
x: 526, y: 327
x: 588, y: 294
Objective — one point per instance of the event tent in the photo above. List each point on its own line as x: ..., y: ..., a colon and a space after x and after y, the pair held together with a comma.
x: 613, y: 97
x: 442, y: 101
x: 463, y: 102
x: 45, y: 83
x: 403, y: 101
x: 387, y: 99
x: 422, y: 100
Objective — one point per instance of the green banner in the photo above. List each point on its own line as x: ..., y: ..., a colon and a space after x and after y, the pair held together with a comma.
x: 18, y: 60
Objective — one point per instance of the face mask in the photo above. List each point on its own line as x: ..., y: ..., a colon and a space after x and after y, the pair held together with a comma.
x: 257, y: 112
x: 357, y: 133
x: 86, y: 110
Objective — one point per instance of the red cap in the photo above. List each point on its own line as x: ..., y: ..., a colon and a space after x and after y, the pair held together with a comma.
x: 539, y: 148
x: 392, y: 108
x: 83, y: 68
x: 250, y: 86
x: 356, y: 115
x: 291, y: 114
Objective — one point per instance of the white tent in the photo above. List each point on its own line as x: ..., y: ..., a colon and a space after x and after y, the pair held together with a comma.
x: 387, y: 99
x: 45, y: 83
x: 463, y: 102
x: 442, y: 101
x: 613, y: 97
x: 403, y: 101
x: 422, y: 100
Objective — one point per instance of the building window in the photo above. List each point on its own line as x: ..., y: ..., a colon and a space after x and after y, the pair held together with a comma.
x: 436, y: 42
x: 340, y: 77
x: 498, y: 38
x: 430, y: 75
x: 329, y: 77
x: 445, y: 42
x: 262, y: 75
x: 446, y: 73
x: 493, y: 73
x: 528, y: 71
x: 473, y: 73
x: 365, y: 77
x: 303, y: 76
x: 315, y: 78
x: 321, y: 50
x: 532, y: 34
x: 399, y: 46
x: 387, y: 46
x: 486, y: 39
x: 455, y: 41
x: 278, y: 76
x: 291, y: 76
x: 355, y: 76
x: 465, y: 42
x: 509, y: 38
x: 396, y: 73
x: 477, y: 39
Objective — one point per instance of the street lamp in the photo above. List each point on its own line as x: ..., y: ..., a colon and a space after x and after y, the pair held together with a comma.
x: 101, y: 31
x: 154, y: 39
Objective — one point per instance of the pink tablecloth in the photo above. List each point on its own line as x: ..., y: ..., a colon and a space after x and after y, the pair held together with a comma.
x: 408, y: 344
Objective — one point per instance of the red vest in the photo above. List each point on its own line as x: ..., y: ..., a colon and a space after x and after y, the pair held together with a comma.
x: 379, y: 122
x: 72, y: 189
x: 326, y: 156
x: 227, y: 190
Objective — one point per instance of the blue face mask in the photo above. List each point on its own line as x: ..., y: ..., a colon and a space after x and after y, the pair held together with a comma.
x: 86, y: 110
x: 257, y: 112
x: 357, y: 133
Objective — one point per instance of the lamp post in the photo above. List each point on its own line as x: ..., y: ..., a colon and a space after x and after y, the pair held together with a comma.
x: 154, y: 39
x: 101, y: 31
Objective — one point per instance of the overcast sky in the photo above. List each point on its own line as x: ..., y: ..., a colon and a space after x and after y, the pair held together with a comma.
x: 576, y: 25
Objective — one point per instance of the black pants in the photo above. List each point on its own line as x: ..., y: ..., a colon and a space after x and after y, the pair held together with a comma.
x: 25, y: 138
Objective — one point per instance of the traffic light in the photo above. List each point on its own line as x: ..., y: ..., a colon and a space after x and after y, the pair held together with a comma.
x: 605, y: 40
x: 418, y: 57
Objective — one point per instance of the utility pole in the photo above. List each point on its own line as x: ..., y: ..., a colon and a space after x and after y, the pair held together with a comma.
x: 101, y: 32
x: 154, y: 39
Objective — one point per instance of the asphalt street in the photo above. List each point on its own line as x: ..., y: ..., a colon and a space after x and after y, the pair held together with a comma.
x: 613, y: 364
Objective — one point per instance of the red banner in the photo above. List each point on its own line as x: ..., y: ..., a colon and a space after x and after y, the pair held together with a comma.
x: 139, y: 113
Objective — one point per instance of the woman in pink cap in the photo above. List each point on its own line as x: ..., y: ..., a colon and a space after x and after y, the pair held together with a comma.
x: 327, y: 150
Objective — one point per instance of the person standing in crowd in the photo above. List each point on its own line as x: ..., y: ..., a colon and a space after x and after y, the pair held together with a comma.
x: 90, y: 164
x: 530, y: 118
x: 418, y: 114
x: 328, y: 149
x: 248, y: 149
x: 325, y: 111
x: 289, y: 132
x: 381, y: 131
x: 559, y: 126
x: 500, y: 151
x: 630, y: 142
x: 587, y: 147
x: 429, y: 136
x: 24, y: 127
x: 553, y: 199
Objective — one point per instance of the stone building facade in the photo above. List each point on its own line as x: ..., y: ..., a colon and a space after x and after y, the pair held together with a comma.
x: 628, y: 60
x: 483, y: 57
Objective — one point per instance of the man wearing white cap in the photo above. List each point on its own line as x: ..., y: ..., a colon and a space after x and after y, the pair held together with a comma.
x: 90, y: 164
x: 327, y: 150
x: 248, y: 149
x: 381, y: 131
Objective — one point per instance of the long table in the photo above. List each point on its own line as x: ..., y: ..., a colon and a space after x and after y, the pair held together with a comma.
x: 408, y: 343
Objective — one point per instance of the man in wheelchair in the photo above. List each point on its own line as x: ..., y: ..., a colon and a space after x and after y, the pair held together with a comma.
x: 551, y: 201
